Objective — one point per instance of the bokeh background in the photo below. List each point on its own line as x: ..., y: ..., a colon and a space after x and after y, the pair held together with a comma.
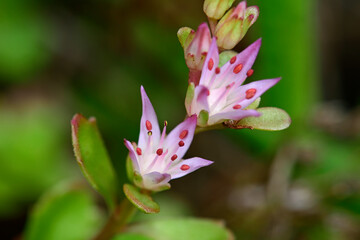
x: 58, y: 58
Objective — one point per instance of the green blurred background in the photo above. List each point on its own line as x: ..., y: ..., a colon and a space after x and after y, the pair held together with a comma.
x: 58, y: 58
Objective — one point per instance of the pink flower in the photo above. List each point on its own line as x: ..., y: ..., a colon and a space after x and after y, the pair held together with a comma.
x: 157, y: 158
x: 220, y: 95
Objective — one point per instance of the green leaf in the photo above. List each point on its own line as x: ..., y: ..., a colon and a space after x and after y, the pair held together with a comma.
x: 62, y: 214
x: 131, y: 236
x: 225, y: 56
x: 180, y: 229
x: 93, y: 158
x: 142, y: 201
x: 272, y: 119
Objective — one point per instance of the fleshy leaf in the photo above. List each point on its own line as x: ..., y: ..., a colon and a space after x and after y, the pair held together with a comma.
x: 255, y: 104
x: 142, y: 201
x: 185, y: 228
x: 64, y: 213
x: 93, y: 158
x: 131, y: 236
x: 225, y: 56
x: 271, y: 119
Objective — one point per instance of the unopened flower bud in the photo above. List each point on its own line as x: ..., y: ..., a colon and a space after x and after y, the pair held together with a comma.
x: 216, y: 8
x: 234, y: 25
x: 196, y: 45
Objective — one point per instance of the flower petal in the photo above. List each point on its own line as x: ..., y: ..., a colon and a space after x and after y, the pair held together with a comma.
x: 232, y: 115
x: 245, y: 97
x: 148, y: 122
x: 184, y: 133
x: 187, y: 166
x: 233, y: 72
x: 156, y: 181
x: 200, y: 100
x: 133, y: 155
x: 210, y: 64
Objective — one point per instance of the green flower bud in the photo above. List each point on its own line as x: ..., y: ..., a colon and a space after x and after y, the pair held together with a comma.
x: 216, y: 8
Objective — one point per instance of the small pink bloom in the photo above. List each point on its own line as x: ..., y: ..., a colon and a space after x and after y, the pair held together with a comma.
x: 157, y: 158
x: 220, y: 92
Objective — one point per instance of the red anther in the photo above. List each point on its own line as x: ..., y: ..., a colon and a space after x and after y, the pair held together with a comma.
x: 217, y: 70
x: 148, y: 125
x: 165, y: 123
x: 181, y: 143
x: 138, y: 151
x: 237, y: 106
x: 250, y: 93
x: 233, y: 60
x: 238, y: 68
x: 159, y: 151
x: 251, y: 17
x: 210, y: 64
x: 174, y: 157
x: 183, y: 134
x: 204, y: 53
x: 250, y: 72
x: 185, y: 167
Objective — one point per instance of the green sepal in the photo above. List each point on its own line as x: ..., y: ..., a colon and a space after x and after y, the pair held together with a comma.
x: 142, y: 201
x: 203, y: 118
x: 225, y: 56
x: 129, y: 169
x: 189, y: 95
x: 255, y: 104
x: 272, y: 119
x: 92, y: 157
x: 185, y: 36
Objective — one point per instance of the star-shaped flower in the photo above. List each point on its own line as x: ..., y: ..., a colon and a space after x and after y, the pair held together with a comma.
x: 157, y: 158
x: 220, y: 95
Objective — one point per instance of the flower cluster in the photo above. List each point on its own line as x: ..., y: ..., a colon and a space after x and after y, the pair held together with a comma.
x: 215, y: 95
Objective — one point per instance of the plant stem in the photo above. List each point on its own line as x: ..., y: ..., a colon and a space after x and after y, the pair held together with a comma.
x: 212, y: 23
x: 117, y: 221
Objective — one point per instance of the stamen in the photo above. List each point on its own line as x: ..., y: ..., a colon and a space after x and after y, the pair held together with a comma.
x: 148, y: 125
x: 181, y: 144
x: 159, y: 151
x: 185, y: 167
x: 149, y: 133
x: 210, y: 64
x: 250, y: 93
x: 138, y: 151
x: 217, y: 70
x: 183, y: 134
x: 165, y: 123
x: 233, y: 60
x: 174, y: 157
x: 251, y: 17
x: 237, y: 106
x: 238, y: 68
x: 250, y: 72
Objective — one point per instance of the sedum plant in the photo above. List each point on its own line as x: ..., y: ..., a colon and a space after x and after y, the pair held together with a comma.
x: 217, y: 98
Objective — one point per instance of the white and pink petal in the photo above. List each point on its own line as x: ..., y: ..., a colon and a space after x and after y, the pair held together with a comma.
x: 187, y: 166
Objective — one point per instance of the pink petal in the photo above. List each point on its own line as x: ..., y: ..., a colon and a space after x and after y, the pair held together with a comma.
x: 133, y: 155
x: 184, y: 132
x: 247, y: 58
x: 239, y: 95
x: 210, y: 64
x: 200, y: 101
x: 233, y: 115
x: 155, y: 180
x: 187, y: 166
x: 201, y: 42
x: 148, y: 116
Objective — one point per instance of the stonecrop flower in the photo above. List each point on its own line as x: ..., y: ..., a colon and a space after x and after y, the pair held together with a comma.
x: 157, y: 158
x: 220, y: 95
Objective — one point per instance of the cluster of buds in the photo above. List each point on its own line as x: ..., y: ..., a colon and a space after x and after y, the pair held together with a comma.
x: 228, y: 28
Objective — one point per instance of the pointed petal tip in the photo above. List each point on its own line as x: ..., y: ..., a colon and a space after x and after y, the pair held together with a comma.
x: 203, y: 26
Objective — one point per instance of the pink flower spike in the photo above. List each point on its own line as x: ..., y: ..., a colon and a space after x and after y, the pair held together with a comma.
x: 227, y: 98
x: 155, y: 157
